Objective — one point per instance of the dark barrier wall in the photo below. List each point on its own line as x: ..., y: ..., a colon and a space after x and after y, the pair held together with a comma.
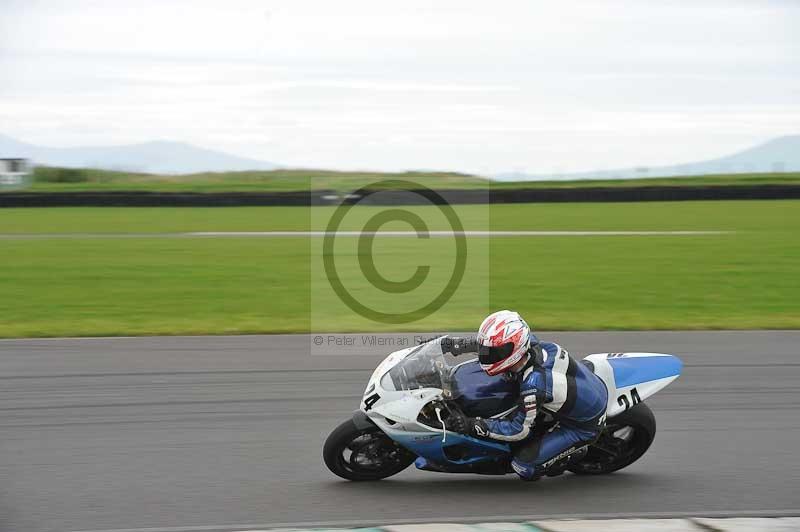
x: 159, y: 199
x: 673, y: 193
x: 599, y: 194
x: 543, y: 195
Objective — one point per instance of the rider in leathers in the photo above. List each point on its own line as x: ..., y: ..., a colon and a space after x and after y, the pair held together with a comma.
x: 550, y: 383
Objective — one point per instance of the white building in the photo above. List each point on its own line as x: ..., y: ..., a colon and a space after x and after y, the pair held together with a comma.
x: 14, y: 172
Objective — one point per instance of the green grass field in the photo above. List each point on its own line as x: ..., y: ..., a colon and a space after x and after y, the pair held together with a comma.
x: 83, y: 286
x: 77, y: 180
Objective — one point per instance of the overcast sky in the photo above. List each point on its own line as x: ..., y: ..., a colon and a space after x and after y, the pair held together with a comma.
x: 473, y: 86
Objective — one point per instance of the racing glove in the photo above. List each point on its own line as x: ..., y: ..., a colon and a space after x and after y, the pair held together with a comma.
x: 469, y: 426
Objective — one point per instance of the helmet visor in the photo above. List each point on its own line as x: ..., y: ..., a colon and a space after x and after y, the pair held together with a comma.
x: 492, y: 355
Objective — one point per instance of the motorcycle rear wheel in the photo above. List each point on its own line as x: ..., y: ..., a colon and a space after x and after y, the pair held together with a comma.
x: 364, y: 454
x: 625, y: 439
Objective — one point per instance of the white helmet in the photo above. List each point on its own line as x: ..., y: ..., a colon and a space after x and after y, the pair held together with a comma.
x: 503, y: 340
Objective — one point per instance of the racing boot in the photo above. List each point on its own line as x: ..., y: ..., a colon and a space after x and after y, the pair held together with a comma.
x: 559, y: 467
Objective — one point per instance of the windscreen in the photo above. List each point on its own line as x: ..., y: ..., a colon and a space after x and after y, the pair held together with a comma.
x: 425, y: 367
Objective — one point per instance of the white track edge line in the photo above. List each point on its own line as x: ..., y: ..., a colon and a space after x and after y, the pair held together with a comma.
x: 320, y: 234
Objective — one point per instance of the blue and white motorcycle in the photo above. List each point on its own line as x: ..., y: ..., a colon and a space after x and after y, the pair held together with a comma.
x: 411, y: 393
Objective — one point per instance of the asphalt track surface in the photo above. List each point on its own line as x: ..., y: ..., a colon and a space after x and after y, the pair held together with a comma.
x: 225, y: 433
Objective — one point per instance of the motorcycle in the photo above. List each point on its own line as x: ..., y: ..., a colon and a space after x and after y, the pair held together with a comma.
x: 404, y: 410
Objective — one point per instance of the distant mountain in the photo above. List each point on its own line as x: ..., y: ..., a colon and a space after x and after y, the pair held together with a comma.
x: 158, y: 157
x: 164, y: 157
x: 777, y: 155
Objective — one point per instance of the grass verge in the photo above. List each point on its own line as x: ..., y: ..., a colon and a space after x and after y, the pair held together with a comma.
x: 89, y: 287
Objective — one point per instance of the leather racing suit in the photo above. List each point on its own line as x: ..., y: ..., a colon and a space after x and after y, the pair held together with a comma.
x: 551, y: 383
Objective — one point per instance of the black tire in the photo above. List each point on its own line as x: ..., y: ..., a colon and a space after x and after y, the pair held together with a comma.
x: 364, y: 454
x: 610, y: 452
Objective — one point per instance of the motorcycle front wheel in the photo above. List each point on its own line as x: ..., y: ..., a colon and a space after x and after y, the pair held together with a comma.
x: 364, y: 454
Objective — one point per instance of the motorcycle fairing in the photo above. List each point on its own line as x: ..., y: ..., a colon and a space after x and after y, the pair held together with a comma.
x: 395, y: 413
x: 458, y: 449
x: 633, y: 377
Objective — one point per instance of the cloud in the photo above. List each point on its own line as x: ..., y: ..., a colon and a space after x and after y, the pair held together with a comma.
x: 457, y: 85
